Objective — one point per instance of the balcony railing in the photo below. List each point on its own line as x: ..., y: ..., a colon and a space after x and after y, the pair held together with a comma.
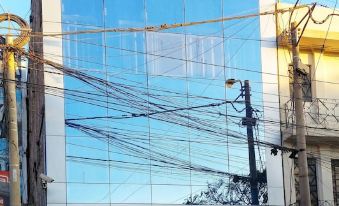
x: 321, y: 117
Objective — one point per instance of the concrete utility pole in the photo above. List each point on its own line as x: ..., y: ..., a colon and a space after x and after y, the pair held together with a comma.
x: 250, y: 122
x: 9, y: 82
x: 12, y: 127
x: 305, y: 198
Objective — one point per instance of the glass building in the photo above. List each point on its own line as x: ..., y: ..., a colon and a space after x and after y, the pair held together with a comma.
x: 144, y: 117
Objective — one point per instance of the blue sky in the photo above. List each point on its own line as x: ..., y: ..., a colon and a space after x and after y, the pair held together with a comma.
x: 18, y: 7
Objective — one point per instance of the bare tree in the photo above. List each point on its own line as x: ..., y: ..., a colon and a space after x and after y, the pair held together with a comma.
x: 234, y: 191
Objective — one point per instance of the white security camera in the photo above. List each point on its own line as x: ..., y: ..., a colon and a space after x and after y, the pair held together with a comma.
x: 45, y: 179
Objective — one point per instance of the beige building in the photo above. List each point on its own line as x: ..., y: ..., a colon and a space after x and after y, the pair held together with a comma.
x: 319, y: 52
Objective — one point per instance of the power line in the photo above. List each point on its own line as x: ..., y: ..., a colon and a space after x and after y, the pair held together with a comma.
x: 166, y: 26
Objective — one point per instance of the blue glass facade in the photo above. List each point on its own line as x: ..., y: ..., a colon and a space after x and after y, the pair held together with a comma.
x: 160, y: 157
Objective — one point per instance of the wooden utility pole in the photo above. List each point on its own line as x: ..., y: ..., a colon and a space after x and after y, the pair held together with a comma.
x: 36, y: 139
x: 12, y: 125
x: 305, y: 198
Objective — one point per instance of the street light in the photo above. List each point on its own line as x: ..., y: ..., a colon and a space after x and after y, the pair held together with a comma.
x: 249, y: 121
x: 229, y: 83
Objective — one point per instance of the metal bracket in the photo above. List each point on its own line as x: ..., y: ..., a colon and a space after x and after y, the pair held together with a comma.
x: 303, y: 68
x: 249, y: 121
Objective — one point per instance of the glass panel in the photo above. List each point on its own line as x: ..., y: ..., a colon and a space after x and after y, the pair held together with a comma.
x: 170, y: 150
x: 86, y: 154
x: 89, y: 170
x: 130, y: 193
x: 168, y: 133
x: 205, y: 78
x: 82, y: 16
x: 87, y: 193
x: 196, y: 10
x: 163, y: 59
x: 165, y: 12
x: 205, y: 57
x: 163, y: 194
x: 154, y: 146
x: 126, y: 69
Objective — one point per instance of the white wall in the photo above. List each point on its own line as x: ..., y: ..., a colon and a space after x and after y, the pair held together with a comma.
x: 324, y: 172
x: 271, y: 100
x: 54, y: 108
x: 289, y: 179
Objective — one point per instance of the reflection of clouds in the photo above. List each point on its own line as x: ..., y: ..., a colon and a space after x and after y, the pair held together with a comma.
x: 167, y: 55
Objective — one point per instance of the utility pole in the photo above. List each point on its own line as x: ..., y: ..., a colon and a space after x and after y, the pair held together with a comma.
x: 250, y: 122
x: 9, y: 82
x: 305, y: 198
x: 12, y: 127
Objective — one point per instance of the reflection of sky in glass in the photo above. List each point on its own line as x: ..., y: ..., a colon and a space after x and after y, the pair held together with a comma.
x: 177, y: 68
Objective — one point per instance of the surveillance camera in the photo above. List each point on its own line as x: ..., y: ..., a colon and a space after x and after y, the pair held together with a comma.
x: 46, y: 178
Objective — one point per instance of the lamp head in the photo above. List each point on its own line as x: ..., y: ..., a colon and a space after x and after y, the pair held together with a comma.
x: 229, y: 83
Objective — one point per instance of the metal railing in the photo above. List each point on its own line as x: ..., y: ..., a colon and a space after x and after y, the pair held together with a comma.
x: 320, y: 114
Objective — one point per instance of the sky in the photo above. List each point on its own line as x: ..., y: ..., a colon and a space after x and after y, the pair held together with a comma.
x: 18, y: 7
